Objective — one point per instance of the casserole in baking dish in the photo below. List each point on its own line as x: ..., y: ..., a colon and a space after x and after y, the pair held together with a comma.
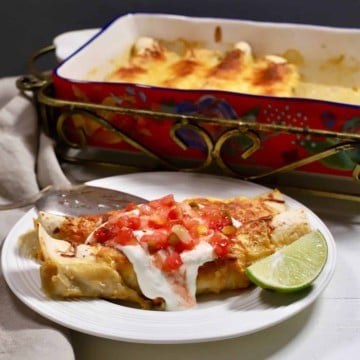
x: 319, y: 90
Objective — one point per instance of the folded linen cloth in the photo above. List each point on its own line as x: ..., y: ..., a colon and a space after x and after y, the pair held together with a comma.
x: 28, y: 163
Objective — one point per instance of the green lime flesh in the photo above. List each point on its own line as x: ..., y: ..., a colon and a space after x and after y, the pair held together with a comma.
x: 292, y: 268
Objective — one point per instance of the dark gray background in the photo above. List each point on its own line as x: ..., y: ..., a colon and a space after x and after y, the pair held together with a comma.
x: 27, y: 25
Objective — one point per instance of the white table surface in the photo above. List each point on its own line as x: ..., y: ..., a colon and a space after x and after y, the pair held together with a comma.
x: 328, y: 329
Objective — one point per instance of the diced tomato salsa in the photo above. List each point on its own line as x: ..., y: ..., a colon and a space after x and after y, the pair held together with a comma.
x: 164, y: 224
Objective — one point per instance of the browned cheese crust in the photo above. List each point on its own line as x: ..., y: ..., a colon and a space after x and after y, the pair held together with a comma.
x: 191, y: 66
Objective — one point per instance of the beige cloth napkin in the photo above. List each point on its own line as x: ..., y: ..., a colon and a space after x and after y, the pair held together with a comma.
x: 28, y: 163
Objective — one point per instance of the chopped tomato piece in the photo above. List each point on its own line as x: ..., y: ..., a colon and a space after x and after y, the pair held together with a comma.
x: 134, y: 222
x: 181, y: 239
x: 103, y: 234
x: 216, y: 217
x: 174, y: 213
x: 130, y: 206
x: 181, y: 246
x: 157, y: 222
x: 125, y: 236
x: 155, y: 241
x: 220, y: 244
x: 119, y: 221
x: 191, y: 223
x: 217, y: 221
x: 172, y: 262
x: 195, y: 228
x: 165, y: 201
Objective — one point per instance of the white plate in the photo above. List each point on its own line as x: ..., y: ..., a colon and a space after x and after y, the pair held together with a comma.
x: 215, y: 318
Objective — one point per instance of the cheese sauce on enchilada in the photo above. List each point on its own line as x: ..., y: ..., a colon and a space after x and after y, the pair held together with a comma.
x: 187, y: 66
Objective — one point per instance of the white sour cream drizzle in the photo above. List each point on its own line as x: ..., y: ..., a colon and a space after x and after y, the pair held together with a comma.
x: 236, y: 223
x: 178, y: 288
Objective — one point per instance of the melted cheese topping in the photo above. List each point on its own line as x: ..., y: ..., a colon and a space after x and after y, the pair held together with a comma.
x: 237, y: 70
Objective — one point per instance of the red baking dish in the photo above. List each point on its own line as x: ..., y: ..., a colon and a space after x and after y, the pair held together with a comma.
x: 329, y: 57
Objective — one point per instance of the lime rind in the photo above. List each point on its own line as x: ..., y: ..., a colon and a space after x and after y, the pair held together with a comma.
x: 292, y: 268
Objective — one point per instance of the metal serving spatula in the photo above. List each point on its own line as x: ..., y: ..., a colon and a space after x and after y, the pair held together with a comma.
x: 77, y: 200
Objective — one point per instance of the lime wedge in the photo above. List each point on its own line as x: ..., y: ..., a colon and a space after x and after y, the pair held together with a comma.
x: 293, y: 267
